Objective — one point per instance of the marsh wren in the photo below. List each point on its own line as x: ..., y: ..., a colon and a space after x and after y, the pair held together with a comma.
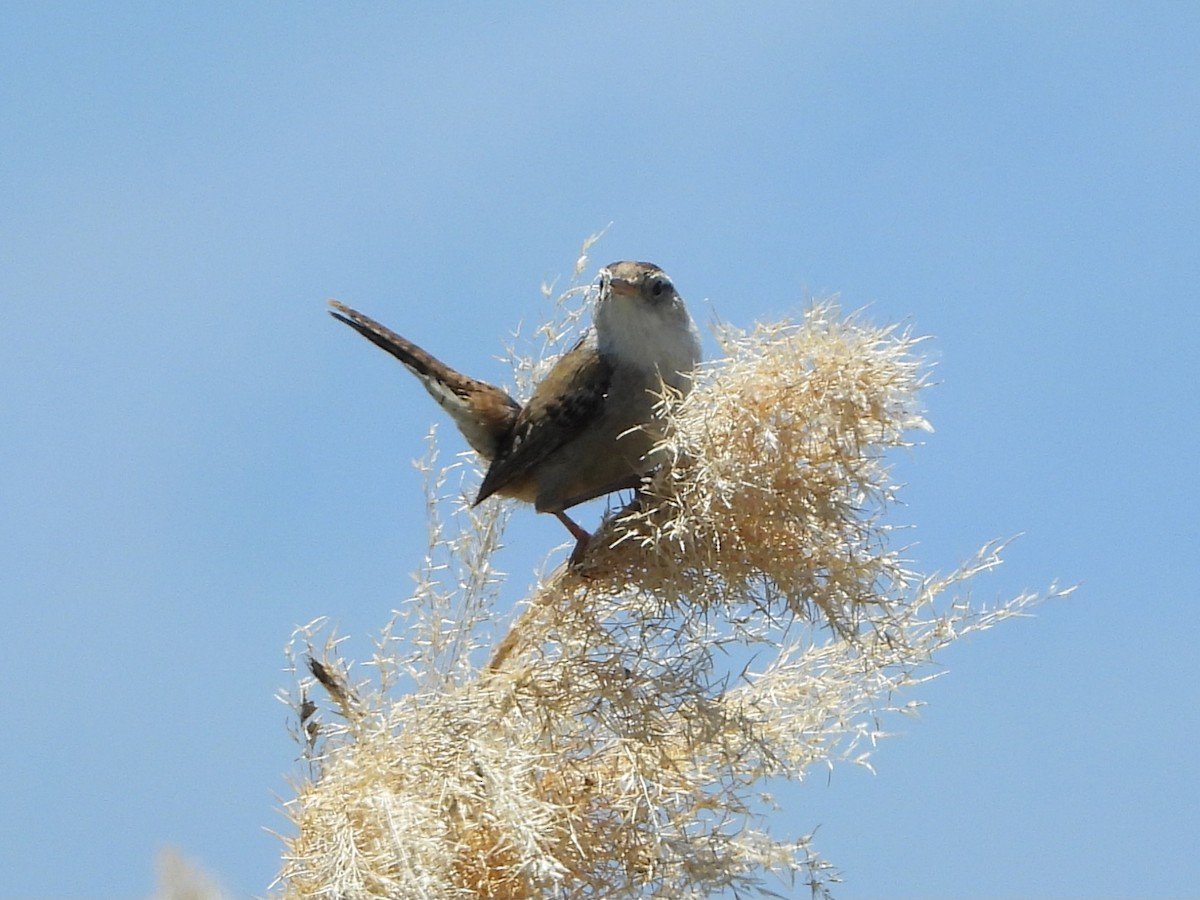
x: 592, y: 422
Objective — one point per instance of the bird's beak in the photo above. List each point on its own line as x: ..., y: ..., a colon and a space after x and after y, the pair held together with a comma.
x: 611, y: 285
x: 623, y: 286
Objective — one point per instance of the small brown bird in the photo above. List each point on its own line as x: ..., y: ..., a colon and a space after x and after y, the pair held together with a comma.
x: 591, y: 423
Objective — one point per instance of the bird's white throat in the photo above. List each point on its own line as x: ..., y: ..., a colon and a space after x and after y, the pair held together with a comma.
x: 654, y: 337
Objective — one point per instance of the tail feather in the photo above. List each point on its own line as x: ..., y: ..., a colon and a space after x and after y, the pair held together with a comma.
x: 484, y: 413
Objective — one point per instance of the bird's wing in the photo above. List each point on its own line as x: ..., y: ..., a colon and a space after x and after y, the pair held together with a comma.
x: 564, y: 402
x: 483, y: 412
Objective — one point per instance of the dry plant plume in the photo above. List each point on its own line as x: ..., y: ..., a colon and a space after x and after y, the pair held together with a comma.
x: 744, y: 619
x: 180, y: 879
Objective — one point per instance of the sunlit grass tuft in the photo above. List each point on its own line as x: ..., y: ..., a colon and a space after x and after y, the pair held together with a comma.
x: 746, y: 619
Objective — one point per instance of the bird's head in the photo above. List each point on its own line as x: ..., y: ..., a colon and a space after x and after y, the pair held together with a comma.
x: 641, y: 320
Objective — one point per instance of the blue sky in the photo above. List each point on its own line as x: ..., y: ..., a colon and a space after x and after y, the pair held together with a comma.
x: 196, y: 458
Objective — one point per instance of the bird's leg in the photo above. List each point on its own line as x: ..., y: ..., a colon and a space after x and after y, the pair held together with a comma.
x: 582, y: 538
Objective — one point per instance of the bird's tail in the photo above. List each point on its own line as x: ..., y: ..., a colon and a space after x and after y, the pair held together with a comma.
x: 484, y: 413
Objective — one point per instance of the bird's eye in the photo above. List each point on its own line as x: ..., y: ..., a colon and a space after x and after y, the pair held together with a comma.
x: 658, y: 287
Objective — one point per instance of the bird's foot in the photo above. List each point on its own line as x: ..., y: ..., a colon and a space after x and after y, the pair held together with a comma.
x: 582, y: 539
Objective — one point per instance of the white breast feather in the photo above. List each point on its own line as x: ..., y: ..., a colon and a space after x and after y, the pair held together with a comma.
x: 654, y: 339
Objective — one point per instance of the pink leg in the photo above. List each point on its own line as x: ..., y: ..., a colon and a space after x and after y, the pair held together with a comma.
x: 582, y: 538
